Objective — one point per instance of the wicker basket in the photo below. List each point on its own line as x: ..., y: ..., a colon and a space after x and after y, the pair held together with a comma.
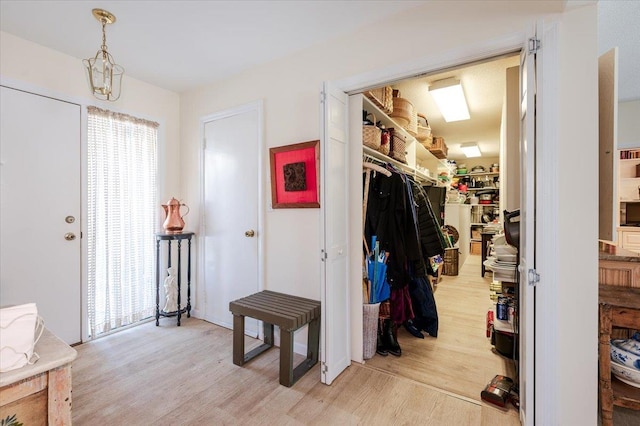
x: 439, y: 148
x: 412, y: 127
x: 428, y: 142
x: 424, y: 130
x: 369, y: 329
x: 371, y: 134
x: 398, y: 147
x: 402, y: 111
x: 381, y: 97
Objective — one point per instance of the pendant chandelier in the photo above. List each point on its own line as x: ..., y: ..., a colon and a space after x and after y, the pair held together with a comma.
x: 105, y: 76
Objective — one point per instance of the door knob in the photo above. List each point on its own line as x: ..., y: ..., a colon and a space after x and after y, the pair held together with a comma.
x: 69, y: 236
x: 69, y: 219
x: 250, y: 233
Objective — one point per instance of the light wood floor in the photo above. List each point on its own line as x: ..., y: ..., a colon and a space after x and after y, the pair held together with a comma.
x: 151, y: 375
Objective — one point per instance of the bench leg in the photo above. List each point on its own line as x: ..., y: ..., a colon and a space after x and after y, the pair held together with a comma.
x: 268, y: 333
x: 313, y: 341
x: 286, y: 358
x: 238, y: 339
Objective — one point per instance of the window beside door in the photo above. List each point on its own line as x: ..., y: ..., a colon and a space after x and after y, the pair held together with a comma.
x: 122, y: 215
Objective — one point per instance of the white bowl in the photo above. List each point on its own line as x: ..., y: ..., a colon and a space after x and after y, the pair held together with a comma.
x: 621, y: 355
x: 629, y: 375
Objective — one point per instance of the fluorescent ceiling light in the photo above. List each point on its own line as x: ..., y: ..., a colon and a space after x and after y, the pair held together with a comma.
x: 471, y: 150
x: 450, y: 99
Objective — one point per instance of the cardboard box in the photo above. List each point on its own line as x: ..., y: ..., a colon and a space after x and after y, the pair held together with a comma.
x: 476, y: 247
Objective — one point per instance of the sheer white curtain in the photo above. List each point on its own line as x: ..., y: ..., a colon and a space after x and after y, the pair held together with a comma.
x: 122, y: 209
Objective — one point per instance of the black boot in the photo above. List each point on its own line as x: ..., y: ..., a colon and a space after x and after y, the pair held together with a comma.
x: 381, y: 349
x: 389, y: 338
x: 411, y: 328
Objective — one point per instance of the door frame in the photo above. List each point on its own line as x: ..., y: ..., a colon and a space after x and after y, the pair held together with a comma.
x: 547, y: 164
x: 258, y: 107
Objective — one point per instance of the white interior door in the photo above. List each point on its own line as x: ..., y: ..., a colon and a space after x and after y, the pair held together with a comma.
x: 526, y: 326
x: 335, y: 343
x: 231, y: 231
x: 40, y: 204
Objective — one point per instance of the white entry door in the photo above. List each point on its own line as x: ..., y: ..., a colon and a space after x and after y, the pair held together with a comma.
x: 231, y: 234
x: 335, y: 340
x: 40, y: 208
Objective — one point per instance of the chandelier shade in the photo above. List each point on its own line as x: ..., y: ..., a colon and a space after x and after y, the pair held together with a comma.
x: 104, y: 75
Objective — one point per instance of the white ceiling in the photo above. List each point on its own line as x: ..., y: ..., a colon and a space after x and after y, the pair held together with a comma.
x: 180, y: 45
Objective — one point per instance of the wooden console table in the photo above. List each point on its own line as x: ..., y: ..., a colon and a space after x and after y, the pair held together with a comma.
x: 287, y: 312
x: 618, y: 306
x: 40, y: 393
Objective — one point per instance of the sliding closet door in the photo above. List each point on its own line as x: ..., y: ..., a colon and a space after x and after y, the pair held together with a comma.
x: 40, y: 208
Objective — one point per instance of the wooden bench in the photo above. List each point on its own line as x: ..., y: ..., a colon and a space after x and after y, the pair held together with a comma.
x: 287, y: 312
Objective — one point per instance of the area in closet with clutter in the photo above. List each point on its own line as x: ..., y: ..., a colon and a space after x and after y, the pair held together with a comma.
x: 440, y: 220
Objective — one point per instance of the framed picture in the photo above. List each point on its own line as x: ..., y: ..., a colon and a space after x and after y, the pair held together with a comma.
x: 295, y: 175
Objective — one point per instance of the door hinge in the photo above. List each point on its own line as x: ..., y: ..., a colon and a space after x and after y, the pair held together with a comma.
x: 534, y: 45
x: 323, y: 96
x: 533, y: 277
x: 324, y: 368
x: 323, y: 255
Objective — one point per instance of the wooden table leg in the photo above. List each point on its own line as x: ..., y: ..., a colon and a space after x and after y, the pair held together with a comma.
x: 59, y: 407
x: 604, y: 356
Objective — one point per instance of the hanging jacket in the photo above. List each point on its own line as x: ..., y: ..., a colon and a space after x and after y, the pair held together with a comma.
x: 389, y: 217
x: 430, y: 235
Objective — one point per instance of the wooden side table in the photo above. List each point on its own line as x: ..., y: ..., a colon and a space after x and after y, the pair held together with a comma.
x: 620, y: 307
x: 169, y: 238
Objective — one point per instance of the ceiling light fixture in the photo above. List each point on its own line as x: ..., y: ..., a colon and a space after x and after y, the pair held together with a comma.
x: 471, y: 150
x: 450, y: 99
x: 105, y: 76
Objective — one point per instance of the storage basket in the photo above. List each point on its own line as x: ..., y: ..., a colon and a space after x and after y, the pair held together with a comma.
x: 371, y: 134
x: 402, y: 111
x: 428, y: 142
x: 412, y: 127
x: 439, y: 148
x: 451, y: 261
x: 381, y: 97
x: 21, y: 327
x: 398, y: 147
x: 369, y: 329
x: 424, y: 130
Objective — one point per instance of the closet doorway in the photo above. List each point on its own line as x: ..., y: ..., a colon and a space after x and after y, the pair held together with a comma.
x: 356, y: 152
x: 230, y: 235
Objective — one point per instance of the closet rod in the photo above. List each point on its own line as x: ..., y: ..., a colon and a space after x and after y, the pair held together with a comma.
x: 369, y: 154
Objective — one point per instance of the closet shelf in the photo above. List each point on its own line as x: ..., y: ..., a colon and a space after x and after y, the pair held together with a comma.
x: 373, y: 154
x: 423, y: 156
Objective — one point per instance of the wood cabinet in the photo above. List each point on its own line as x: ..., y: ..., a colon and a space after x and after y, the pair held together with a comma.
x: 629, y: 238
x: 40, y: 394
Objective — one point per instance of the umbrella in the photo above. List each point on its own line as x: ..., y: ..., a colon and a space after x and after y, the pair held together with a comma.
x: 377, y: 271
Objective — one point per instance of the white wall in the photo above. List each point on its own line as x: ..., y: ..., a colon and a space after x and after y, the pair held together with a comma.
x: 434, y: 34
x: 573, y: 287
x: 629, y: 124
x: 45, y: 71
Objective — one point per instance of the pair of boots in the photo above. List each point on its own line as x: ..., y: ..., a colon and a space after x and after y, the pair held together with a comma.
x: 387, y: 338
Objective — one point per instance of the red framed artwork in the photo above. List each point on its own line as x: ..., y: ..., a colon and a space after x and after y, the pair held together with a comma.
x: 295, y: 175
